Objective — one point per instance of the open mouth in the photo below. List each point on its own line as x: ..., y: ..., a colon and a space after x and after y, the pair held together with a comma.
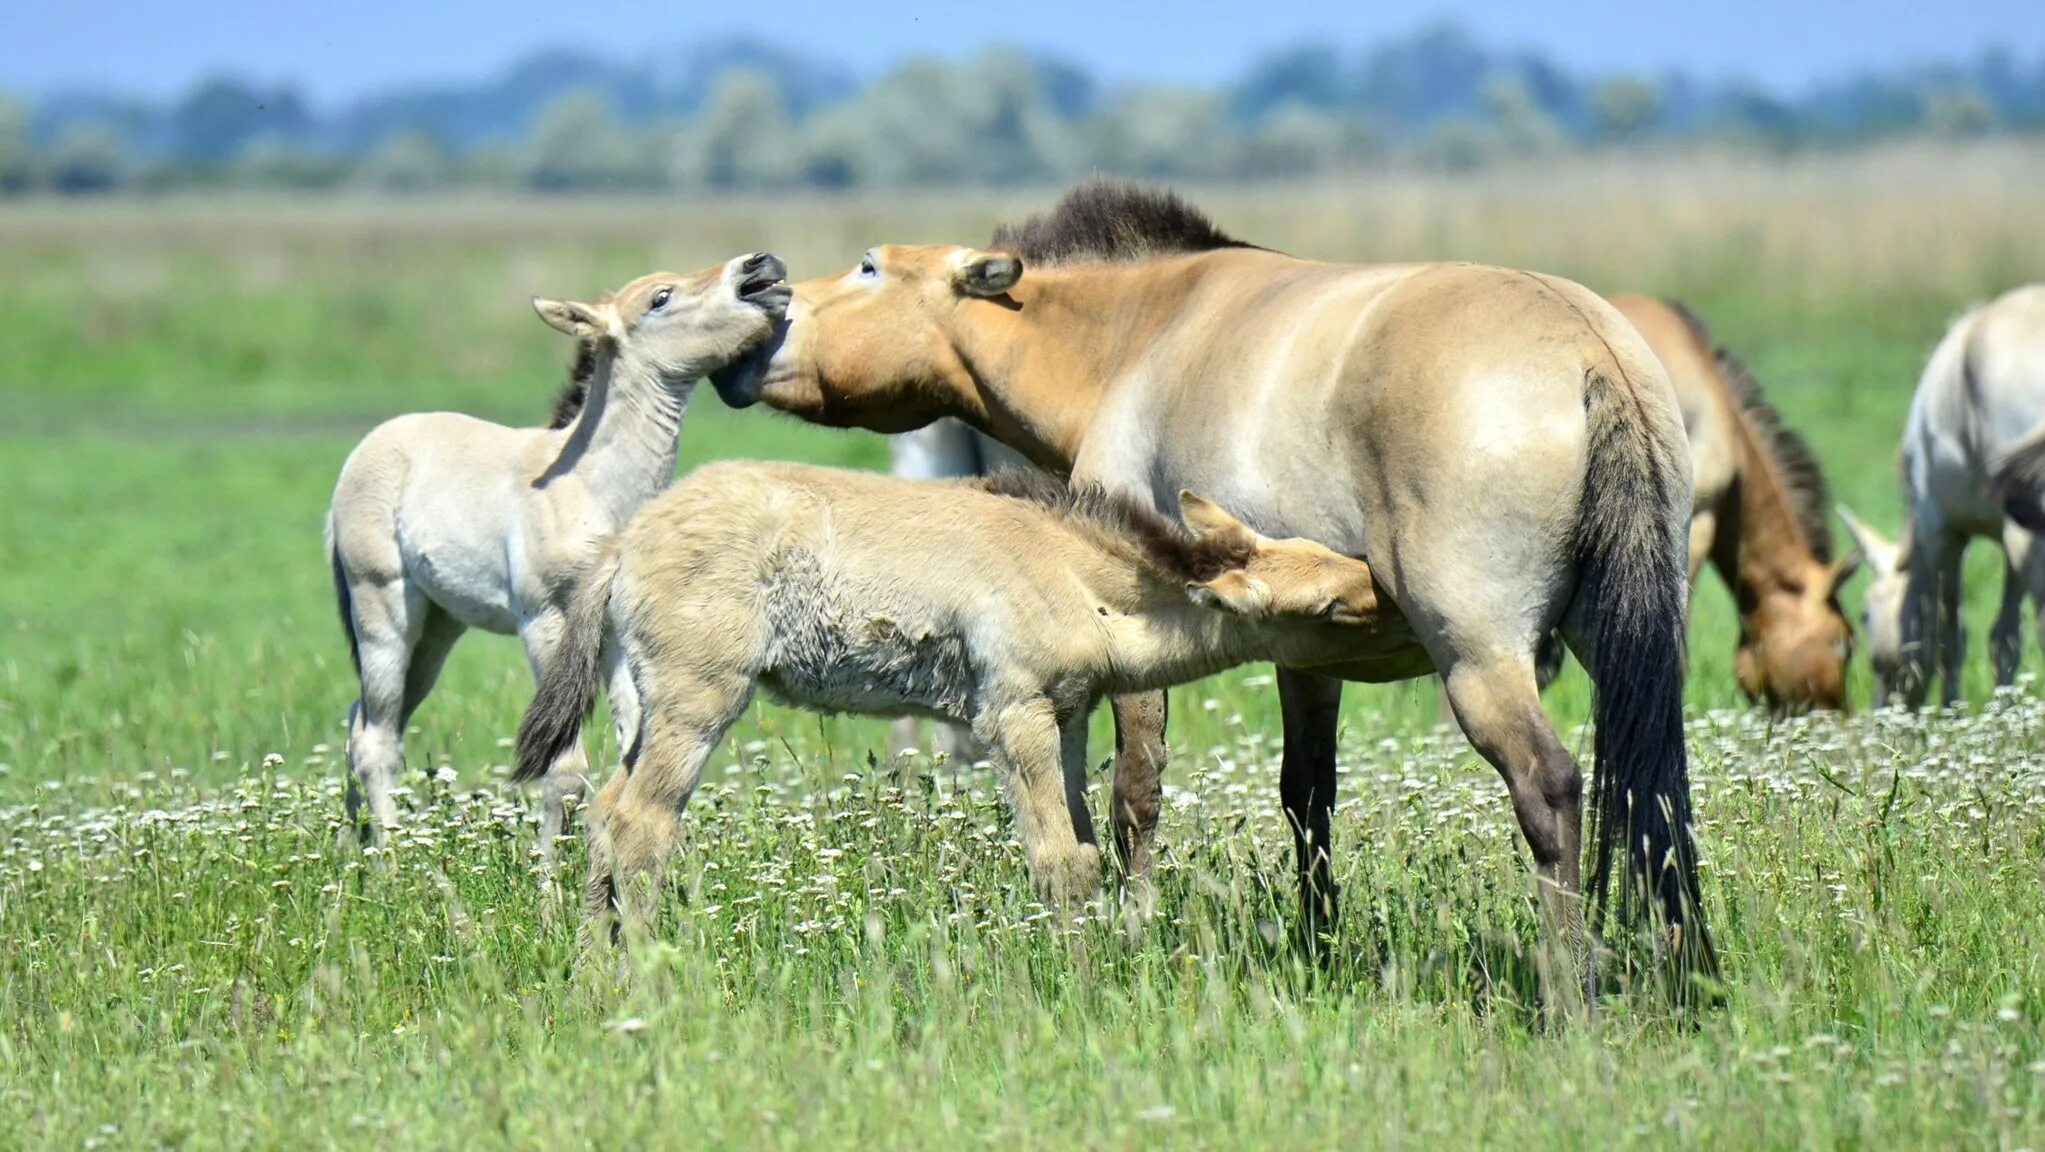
x: 765, y: 282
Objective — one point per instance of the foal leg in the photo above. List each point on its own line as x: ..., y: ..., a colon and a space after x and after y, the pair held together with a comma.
x: 1029, y: 748
x: 2006, y: 636
x: 685, y: 717
x: 389, y: 618
x: 1311, y: 706
x: 567, y: 778
x: 1499, y: 708
x: 1140, y: 758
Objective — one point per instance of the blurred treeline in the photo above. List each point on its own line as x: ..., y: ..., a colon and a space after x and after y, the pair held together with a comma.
x: 742, y: 115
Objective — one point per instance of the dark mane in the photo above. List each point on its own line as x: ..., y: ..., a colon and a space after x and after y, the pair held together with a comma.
x: 1112, y: 221
x: 1809, y: 496
x: 1153, y: 540
x: 568, y: 403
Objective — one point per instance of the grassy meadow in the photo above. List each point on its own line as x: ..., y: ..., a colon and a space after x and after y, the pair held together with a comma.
x: 189, y: 956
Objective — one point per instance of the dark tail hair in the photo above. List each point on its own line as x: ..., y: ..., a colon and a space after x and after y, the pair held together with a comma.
x: 345, y: 600
x: 568, y: 686
x: 1630, y: 539
x: 2019, y: 482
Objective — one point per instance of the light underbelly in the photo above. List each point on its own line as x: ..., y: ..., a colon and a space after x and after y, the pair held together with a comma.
x: 474, y: 589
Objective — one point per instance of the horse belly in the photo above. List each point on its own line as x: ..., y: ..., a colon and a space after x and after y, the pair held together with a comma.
x: 466, y: 578
x: 832, y: 653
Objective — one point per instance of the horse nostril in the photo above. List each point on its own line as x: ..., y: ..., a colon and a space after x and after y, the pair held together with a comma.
x: 755, y: 262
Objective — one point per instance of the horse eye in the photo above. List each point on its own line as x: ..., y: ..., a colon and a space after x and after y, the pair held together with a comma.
x: 660, y: 299
x: 866, y: 267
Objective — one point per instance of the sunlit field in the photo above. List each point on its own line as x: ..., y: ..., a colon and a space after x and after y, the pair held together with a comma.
x: 190, y: 955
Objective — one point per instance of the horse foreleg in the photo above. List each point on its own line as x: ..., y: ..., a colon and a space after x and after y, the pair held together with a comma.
x: 1311, y: 706
x: 1029, y: 746
x: 2006, y: 636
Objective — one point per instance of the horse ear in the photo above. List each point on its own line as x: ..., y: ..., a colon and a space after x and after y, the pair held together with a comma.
x: 985, y: 274
x: 571, y: 318
x: 1206, y: 518
x: 1880, y: 551
x: 1234, y: 591
x: 1843, y: 569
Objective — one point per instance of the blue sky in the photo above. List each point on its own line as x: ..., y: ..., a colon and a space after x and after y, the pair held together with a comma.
x: 339, y: 48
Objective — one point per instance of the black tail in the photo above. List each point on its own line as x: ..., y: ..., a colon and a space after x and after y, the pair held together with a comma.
x: 346, y: 601
x: 2019, y: 483
x: 1631, y: 541
x: 568, y: 686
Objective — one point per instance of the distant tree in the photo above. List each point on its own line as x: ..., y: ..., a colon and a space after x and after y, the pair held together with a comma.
x: 407, y: 162
x: 88, y: 158
x: 1163, y: 133
x: 1309, y: 75
x: 742, y: 139
x: 17, y: 154
x: 1459, y: 144
x: 1958, y: 112
x: 222, y: 115
x: 276, y: 162
x: 576, y: 146
x: 1626, y: 107
x: 1522, y: 124
x: 1296, y: 140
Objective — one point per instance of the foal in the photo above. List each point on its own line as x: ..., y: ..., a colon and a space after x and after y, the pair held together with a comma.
x: 442, y: 522
x: 1030, y: 602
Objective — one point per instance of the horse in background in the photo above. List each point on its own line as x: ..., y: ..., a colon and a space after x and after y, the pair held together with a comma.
x: 441, y: 522
x: 1973, y: 466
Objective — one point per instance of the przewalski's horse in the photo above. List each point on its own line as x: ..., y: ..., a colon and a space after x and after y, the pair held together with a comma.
x: 1973, y: 464
x: 1501, y: 444
x: 1758, y: 513
x: 442, y: 522
x: 1033, y: 601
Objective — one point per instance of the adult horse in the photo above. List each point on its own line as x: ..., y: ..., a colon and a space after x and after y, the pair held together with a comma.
x: 1500, y: 445
x: 1758, y: 516
x: 1973, y: 464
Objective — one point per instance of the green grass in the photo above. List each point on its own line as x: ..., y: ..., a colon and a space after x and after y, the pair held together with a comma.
x: 189, y: 956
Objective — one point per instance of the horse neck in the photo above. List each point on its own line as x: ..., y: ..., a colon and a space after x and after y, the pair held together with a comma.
x: 1763, y: 549
x: 1039, y: 366
x: 623, y: 443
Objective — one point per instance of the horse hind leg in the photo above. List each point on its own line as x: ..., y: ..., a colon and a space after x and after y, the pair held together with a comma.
x: 1498, y: 705
x: 389, y: 619
x: 1140, y: 757
x: 2006, y: 636
x: 637, y: 818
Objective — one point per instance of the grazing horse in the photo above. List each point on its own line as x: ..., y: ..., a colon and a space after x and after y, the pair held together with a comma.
x: 1973, y: 465
x: 1039, y: 599
x: 1502, y: 445
x: 442, y: 522
x: 1758, y: 515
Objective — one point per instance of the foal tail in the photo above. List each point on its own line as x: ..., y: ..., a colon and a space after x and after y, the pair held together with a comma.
x: 345, y: 599
x: 568, y: 685
x: 1631, y: 542
x: 2019, y: 482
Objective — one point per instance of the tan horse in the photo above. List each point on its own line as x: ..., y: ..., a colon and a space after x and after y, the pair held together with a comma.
x: 1033, y: 600
x: 442, y: 522
x: 1758, y: 515
x: 1502, y: 446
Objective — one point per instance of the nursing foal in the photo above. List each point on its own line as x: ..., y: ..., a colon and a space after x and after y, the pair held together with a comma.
x: 1023, y: 602
x: 442, y: 522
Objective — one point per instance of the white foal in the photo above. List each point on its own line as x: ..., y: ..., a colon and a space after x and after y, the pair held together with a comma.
x: 442, y: 522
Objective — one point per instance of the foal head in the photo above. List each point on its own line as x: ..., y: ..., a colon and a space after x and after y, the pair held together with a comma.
x: 1890, y: 653
x: 1293, y: 579
x: 1794, y: 649
x: 681, y: 327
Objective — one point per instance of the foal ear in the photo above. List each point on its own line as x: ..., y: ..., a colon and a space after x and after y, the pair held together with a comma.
x: 1879, y: 550
x: 1234, y: 591
x: 1206, y: 518
x: 1843, y: 569
x: 985, y: 274
x: 570, y: 318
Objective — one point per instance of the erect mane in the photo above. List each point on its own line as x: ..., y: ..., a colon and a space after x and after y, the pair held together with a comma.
x: 1802, y: 478
x: 1155, y: 541
x: 1113, y: 221
x: 574, y: 394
